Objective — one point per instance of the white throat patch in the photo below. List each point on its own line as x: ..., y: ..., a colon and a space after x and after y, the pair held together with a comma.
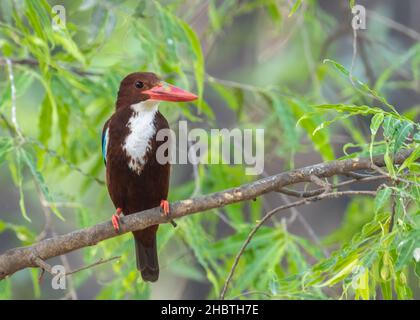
x: 142, y: 129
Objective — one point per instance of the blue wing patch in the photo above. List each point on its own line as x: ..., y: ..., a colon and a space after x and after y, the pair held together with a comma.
x: 105, y: 138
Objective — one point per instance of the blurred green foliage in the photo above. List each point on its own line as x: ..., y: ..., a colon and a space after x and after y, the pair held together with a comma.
x: 66, y: 82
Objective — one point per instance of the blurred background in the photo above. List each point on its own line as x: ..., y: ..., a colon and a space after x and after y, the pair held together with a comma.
x: 254, y: 64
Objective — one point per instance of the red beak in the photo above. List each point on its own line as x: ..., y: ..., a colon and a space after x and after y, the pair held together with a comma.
x: 167, y: 92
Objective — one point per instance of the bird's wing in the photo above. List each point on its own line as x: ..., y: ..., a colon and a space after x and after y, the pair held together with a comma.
x: 105, y: 139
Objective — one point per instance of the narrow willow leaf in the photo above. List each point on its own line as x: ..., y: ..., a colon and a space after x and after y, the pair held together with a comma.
x: 266, y: 259
x: 285, y: 118
x: 35, y: 282
x: 198, y: 62
x: 273, y: 10
x: 363, y: 285
x: 410, y: 160
x: 326, y: 124
x: 321, y: 140
x: 344, y: 272
x: 381, y: 198
x: 362, y: 87
x: 215, y: 19
x: 23, y: 80
x: 401, y: 134
x: 63, y: 112
x: 386, y: 289
x: 295, y: 7
x: 405, y: 252
x: 376, y: 122
x: 229, y: 97
x: 354, y: 109
x: 389, y: 163
x: 39, y: 179
x: 401, y: 288
x: 19, y: 173
x: 38, y: 18
x: 69, y: 45
x: 6, y: 289
x: 6, y: 145
x: 374, y: 126
x: 45, y: 120
x: 390, y: 125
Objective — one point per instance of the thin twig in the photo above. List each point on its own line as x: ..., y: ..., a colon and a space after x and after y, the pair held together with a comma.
x: 34, y: 63
x: 42, y: 264
x: 311, y: 193
x: 395, y: 179
x: 97, y: 263
x: 321, y: 183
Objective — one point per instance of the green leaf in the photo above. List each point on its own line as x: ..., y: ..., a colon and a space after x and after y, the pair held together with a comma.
x: 27, y: 158
x: 45, y: 120
x: 346, y: 268
x: 295, y: 7
x: 274, y: 11
x: 285, y: 119
x: 401, y: 134
x: 405, y: 252
x: 389, y: 162
x: 381, y: 198
x: 228, y: 96
x: 19, y: 173
x: 63, y: 112
x: 376, y: 122
x: 363, y: 285
x: 390, y: 125
x: 361, y: 86
x: 374, y: 126
x: 35, y: 282
x: 414, y: 156
x: 63, y: 38
x: 321, y: 140
x: 198, y: 63
x: 386, y: 289
x: 6, y: 145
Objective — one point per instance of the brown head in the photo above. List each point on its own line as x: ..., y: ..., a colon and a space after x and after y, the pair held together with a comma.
x: 143, y: 86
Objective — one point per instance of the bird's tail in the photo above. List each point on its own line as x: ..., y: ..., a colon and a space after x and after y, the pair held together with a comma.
x: 146, y: 253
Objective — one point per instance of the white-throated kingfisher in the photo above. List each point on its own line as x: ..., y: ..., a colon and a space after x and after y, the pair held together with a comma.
x: 136, y: 181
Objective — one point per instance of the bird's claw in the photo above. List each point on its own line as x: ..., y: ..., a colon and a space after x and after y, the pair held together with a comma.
x: 164, y: 204
x: 116, y: 219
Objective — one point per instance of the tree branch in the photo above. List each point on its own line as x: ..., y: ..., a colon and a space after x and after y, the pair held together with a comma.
x: 20, y: 258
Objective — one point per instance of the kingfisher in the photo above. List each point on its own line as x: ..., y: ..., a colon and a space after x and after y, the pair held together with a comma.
x: 135, y: 179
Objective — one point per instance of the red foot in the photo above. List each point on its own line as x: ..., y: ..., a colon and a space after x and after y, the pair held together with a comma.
x: 164, y: 204
x: 116, y: 219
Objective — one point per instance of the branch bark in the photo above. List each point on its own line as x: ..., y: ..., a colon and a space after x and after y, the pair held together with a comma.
x: 20, y: 258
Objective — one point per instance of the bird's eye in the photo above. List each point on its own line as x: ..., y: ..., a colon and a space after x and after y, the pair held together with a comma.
x: 139, y: 84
